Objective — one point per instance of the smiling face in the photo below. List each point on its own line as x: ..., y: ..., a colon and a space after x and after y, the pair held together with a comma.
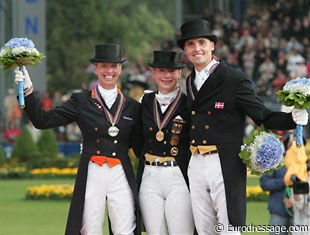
x: 199, y: 52
x: 166, y: 79
x: 108, y: 74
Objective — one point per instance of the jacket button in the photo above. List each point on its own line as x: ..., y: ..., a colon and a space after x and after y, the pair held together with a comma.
x: 96, y: 128
x: 209, y: 113
x: 193, y: 141
x: 98, y: 141
x: 193, y: 127
x: 193, y: 112
x: 206, y: 127
x: 165, y: 142
x: 98, y: 152
x: 204, y: 141
x: 115, y: 141
x: 113, y: 154
x: 164, y: 153
x: 150, y: 128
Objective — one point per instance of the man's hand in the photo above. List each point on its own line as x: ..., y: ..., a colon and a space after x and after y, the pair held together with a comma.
x: 300, y: 116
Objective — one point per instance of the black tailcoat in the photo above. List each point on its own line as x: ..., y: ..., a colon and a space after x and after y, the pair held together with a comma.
x: 85, y: 109
x: 218, y: 113
x: 176, y: 134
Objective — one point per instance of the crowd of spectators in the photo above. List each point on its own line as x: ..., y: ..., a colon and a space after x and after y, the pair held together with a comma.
x: 271, y: 45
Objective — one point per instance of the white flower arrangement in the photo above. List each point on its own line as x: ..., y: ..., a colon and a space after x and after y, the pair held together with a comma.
x: 18, y: 52
x: 296, y: 93
x: 262, y: 152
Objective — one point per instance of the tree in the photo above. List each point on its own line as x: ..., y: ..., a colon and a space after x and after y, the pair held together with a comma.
x: 72, y: 33
x: 47, y: 144
x: 2, y: 156
x: 24, y: 148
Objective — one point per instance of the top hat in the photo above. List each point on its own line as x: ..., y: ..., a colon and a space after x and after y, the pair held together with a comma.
x: 167, y: 59
x: 108, y: 53
x: 195, y: 29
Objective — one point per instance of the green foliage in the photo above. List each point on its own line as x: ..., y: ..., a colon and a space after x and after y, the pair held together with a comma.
x: 72, y: 33
x: 47, y: 144
x: 2, y: 156
x: 297, y: 100
x: 25, y: 149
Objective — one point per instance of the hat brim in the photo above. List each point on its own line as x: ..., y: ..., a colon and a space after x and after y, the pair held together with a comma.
x: 181, y: 41
x: 167, y: 66
x: 115, y: 60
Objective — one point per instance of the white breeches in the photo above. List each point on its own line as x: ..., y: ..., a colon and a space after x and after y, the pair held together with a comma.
x: 165, y: 201
x: 109, y: 186
x: 208, y: 194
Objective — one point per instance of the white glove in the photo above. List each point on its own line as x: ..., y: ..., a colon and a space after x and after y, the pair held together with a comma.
x: 19, y: 77
x: 300, y: 116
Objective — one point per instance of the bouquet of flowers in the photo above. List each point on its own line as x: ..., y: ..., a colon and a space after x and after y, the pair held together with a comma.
x: 296, y: 93
x: 262, y: 152
x: 16, y: 53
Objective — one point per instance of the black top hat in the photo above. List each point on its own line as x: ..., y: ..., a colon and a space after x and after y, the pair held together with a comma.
x: 195, y: 29
x: 108, y: 53
x: 167, y: 59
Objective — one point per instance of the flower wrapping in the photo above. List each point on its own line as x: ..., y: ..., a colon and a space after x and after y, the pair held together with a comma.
x: 16, y: 53
x: 262, y: 152
x: 296, y: 93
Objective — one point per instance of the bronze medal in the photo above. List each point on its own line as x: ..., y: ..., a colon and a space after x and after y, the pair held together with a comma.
x: 160, y: 136
x: 174, y: 151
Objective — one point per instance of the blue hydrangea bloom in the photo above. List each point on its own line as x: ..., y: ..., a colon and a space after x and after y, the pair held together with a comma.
x: 270, y: 153
x: 20, y: 42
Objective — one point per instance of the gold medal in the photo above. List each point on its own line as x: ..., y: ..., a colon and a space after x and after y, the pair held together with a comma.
x: 174, y: 151
x: 160, y: 136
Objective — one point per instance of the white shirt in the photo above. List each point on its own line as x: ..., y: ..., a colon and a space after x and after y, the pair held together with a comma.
x: 109, y: 96
x: 164, y: 100
x: 203, y: 75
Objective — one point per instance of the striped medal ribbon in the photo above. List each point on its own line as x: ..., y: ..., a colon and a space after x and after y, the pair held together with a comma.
x: 160, y: 136
x: 113, y: 130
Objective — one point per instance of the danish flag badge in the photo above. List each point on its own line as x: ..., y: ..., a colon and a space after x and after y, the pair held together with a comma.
x: 219, y: 105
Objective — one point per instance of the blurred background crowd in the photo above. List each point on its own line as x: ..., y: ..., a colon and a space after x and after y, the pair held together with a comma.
x: 269, y: 42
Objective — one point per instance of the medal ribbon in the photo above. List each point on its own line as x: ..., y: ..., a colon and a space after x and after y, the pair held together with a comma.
x: 168, y: 114
x: 189, y: 81
x: 113, y: 119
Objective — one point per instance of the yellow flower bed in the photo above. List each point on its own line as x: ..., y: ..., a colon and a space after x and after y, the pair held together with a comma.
x: 253, y: 193
x: 53, y: 171
x: 49, y: 192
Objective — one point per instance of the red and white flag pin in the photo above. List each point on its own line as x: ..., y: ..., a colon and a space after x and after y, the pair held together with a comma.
x: 219, y: 105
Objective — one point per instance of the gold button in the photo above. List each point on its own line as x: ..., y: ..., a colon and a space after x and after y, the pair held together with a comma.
x: 115, y: 141
x: 150, y: 128
x: 204, y: 141
x: 98, y: 141
x: 193, y: 141
x: 193, y: 127
x: 193, y: 112
x: 96, y: 128
x: 98, y: 152
x: 209, y: 113
x: 206, y: 127
x: 113, y: 154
